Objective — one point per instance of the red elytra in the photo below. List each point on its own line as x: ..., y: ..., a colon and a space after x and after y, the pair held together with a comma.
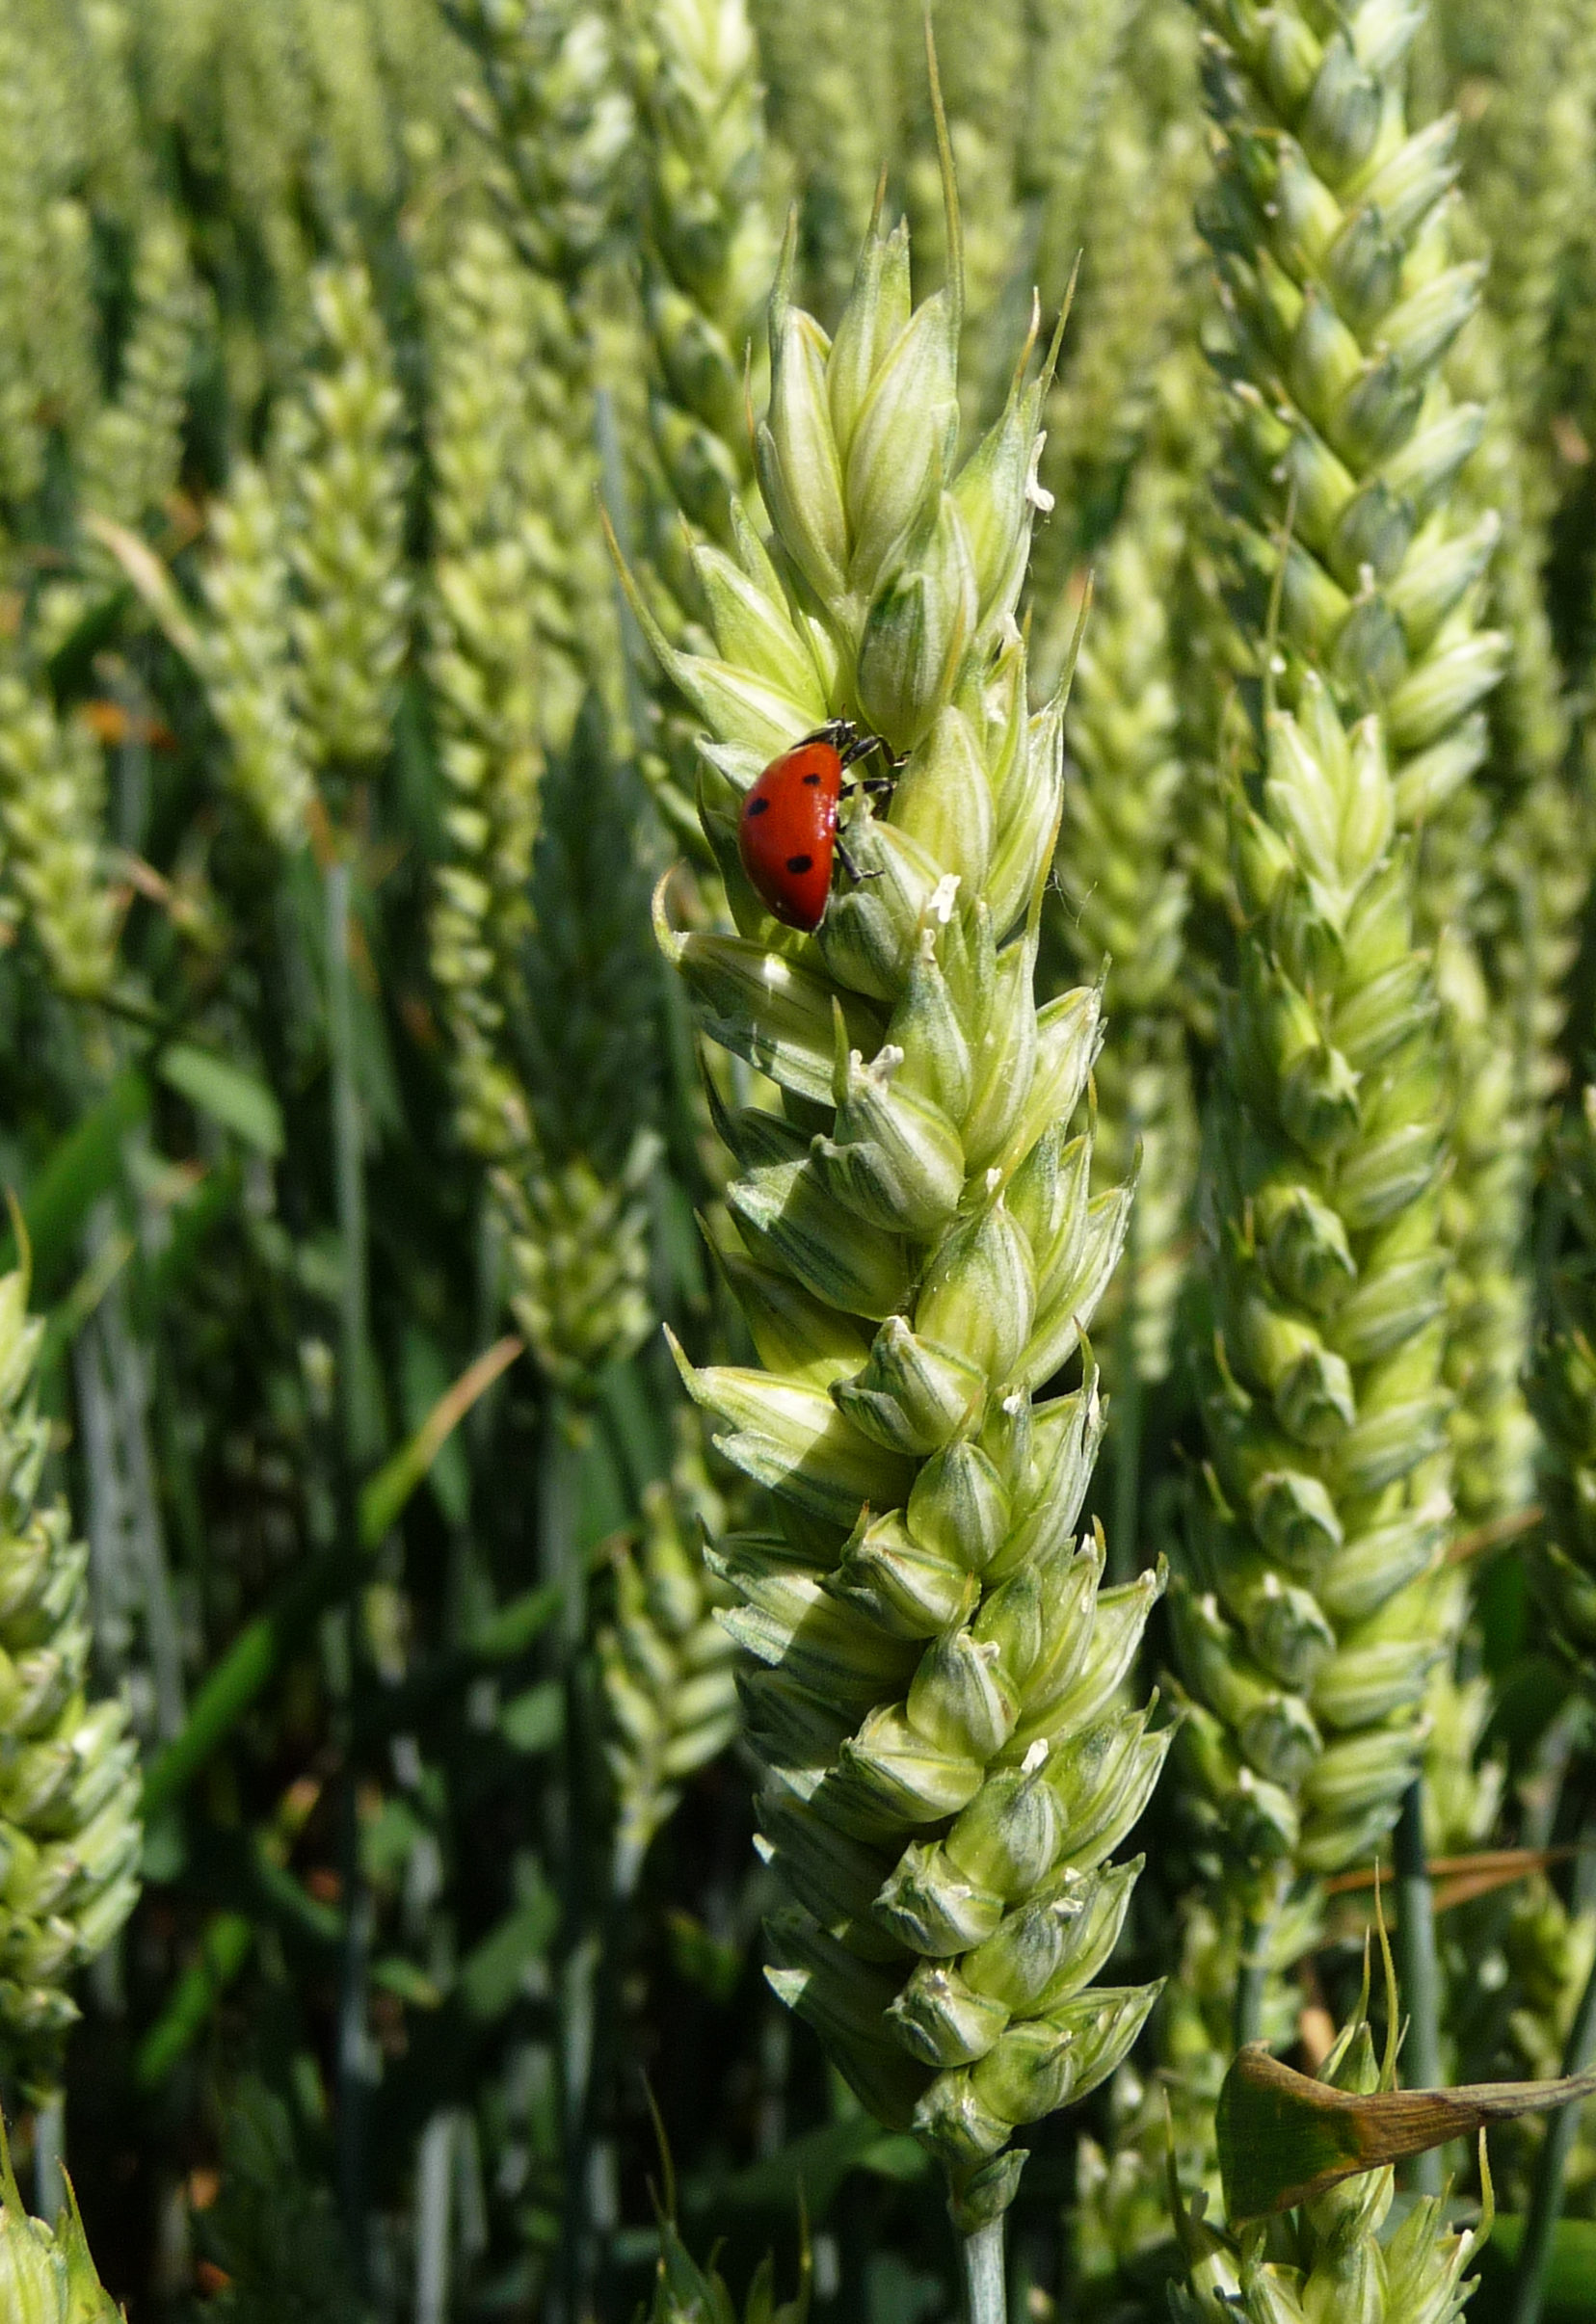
x: 787, y: 835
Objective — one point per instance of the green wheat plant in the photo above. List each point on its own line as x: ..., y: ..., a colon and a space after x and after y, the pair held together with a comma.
x: 933, y: 1674
x: 1564, y: 1393
x: 665, y: 1661
x: 46, y: 2277
x: 1310, y: 1606
x: 1138, y: 295
x: 1521, y: 151
x: 250, y: 677
x: 131, y: 450
x: 1164, y: 2120
x: 1125, y: 895
x: 684, y: 2292
x: 44, y: 262
x: 54, y: 875
x: 1565, y: 1390
x: 485, y: 665
x: 68, y: 1812
x: 1077, y: 64
x: 339, y: 452
x: 832, y: 99
x: 573, y: 1195
x: 1330, y: 223
x: 710, y: 251
x: 995, y: 70
x: 125, y: 449
x: 1345, y: 290
x: 554, y: 121
x: 1504, y: 993
x: 1329, y: 2259
x: 566, y: 1182
x: 753, y: 1689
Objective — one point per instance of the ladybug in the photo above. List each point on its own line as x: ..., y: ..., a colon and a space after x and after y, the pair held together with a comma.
x: 787, y: 835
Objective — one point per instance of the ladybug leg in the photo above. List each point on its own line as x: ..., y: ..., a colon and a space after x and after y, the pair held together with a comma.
x: 861, y: 746
x: 851, y: 867
x: 867, y: 786
x: 876, y: 787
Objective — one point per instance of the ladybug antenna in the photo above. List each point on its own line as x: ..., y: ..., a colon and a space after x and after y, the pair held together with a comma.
x: 950, y: 185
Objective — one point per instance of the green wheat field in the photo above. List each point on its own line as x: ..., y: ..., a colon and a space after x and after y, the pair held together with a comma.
x: 798, y: 1540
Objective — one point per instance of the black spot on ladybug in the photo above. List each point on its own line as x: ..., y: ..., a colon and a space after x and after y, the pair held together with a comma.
x: 811, y: 782
x: 800, y: 863
x: 758, y: 807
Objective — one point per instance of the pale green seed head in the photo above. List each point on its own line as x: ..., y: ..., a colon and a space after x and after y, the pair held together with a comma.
x: 45, y: 2278
x: 1307, y: 1622
x: 934, y: 1693
x: 70, y: 1832
x: 338, y: 455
